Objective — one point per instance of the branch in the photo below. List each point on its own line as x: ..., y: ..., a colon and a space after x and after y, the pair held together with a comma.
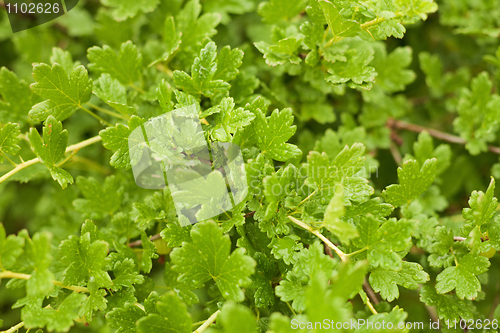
x: 14, y: 328
x: 70, y: 149
x: 369, y: 291
x: 339, y: 252
x: 21, y: 276
x: 369, y: 24
x: 399, y: 124
x: 208, y: 322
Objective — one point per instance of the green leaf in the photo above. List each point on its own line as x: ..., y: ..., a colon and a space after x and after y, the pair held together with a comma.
x: 181, y: 289
x: 482, y: 206
x: 11, y: 248
x: 413, y: 182
x: 16, y: 98
x: 38, y: 251
x: 321, y: 302
x: 125, y: 319
x: 383, y: 242
x: 125, y: 66
x: 308, y: 264
x: 195, y: 29
x: 100, y: 198
x: 149, y: 252
x: 355, y: 71
x: 237, y: 318
x: 117, y: 139
x: 372, y: 206
x: 448, y: 307
x: 441, y: 247
x: 65, y: 94
x: 156, y: 207
x: 171, y: 40
x: 273, y: 133
x: 94, y: 302
x: 347, y: 281
x: 175, y: 235
x: 286, y: 50
x: 286, y: 248
x: 85, y: 258
x: 209, y: 192
x: 9, y: 139
x: 392, y: 72
x: 385, y: 281
x: 229, y: 120
x: 462, y: 277
x: 202, y: 79
x: 124, y: 9
x: 344, y: 231
x: 281, y: 324
x: 228, y: 63
x: 113, y: 93
x: 52, y: 149
x: 171, y: 317
x: 339, y: 26
x: 126, y: 274
x: 60, y: 320
x: 424, y: 149
x: 63, y: 58
x: 325, y: 175
x: 262, y: 285
x: 208, y: 257
x: 479, y: 111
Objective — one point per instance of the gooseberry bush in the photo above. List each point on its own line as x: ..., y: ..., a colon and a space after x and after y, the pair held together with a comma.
x: 369, y: 131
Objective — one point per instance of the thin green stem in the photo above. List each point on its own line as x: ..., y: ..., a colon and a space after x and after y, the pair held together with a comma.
x: 67, y: 158
x: 109, y: 112
x: 356, y: 252
x: 26, y: 164
x: 291, y: 309
x: 208, y: 322
x: 95, y: 116
x: 7, y: 158
x: 14, y: 328
x: 339, y: 252
x: 308, y: 197
x: 369, y: 24
x: 370, y: 306
x: 18, y: 168
x: 21, y: 276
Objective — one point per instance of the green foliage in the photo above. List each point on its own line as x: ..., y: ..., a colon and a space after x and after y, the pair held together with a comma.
x: 51, y: 149
x: 64, y: 93
x: 207, y: 257
x: 367, y: 170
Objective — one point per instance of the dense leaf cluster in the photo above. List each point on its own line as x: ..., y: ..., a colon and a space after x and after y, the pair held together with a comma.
x: 368, y: 129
